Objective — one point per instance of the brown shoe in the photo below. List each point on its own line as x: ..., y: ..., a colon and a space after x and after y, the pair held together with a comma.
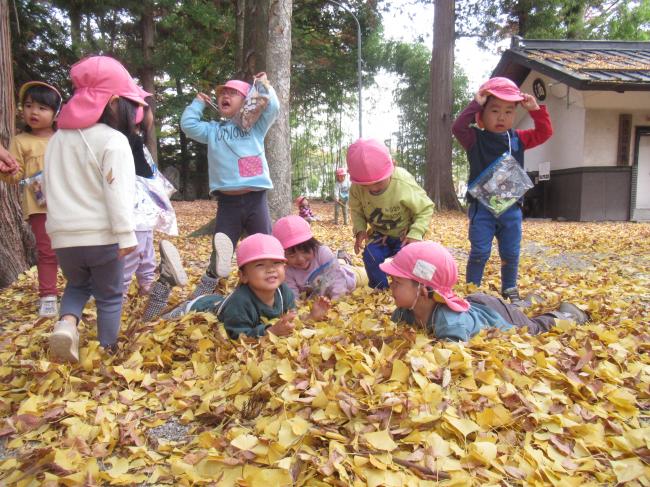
x: 64, y: 341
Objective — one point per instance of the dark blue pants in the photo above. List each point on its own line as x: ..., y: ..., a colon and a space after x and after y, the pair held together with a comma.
x: 98, y: 271
x: 247, y: 213
x: 483, y: 227
x: 375, y: 253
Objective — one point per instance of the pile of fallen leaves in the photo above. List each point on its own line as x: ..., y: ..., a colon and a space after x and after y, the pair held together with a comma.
x: 354, y: 400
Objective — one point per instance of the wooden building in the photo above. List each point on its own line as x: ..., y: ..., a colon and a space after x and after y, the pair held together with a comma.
x: 598, y: 96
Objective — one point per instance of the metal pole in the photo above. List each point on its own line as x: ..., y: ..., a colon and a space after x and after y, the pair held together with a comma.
x: 359, y: 61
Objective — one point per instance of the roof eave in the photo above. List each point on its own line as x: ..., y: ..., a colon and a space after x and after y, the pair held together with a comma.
x: 511, y: 57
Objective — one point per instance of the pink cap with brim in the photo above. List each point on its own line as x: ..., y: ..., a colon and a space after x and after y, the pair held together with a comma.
x: 431, y: 264
x: 235, y: 84
x: 259, y: 246
x: 369, y: 162
x: 96, y: 80
x: 292, y: 230
x: 340, y: 171
x: 139, y: 114
x: 502, y: 88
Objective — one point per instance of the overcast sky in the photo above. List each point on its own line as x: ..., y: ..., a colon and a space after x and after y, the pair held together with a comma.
x: 379, y: 112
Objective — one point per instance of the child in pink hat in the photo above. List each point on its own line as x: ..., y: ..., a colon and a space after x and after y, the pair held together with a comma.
x: 238, y: 172
x: 389, y: 209
x: 312, y: 269
x: 493, y: 110
x: 304, y: 210
x: 90, y: 182
x: 260, y: 296
x: 423, y: 275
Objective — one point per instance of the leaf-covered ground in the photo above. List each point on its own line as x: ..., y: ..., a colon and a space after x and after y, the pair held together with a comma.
x: 354, y: 400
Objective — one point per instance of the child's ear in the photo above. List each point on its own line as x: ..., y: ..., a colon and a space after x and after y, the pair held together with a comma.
x: 479, y: 120
x: 242, y: 276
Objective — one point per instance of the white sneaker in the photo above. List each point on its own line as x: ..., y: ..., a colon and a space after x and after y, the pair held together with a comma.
x: 171, y: 266
x: 64, y: 341
x: 223, y: 249
x: 48, y: 307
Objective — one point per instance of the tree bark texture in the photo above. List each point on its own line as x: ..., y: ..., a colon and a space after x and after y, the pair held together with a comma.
x: 16, y: 240
x: 147, y: 72
x: 439, y: 183
x: 278, y: 140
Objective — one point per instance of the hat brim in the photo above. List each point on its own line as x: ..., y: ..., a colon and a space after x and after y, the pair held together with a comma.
x: 260, y: 257
x: 294, y: 241
x: 455, y: 303
x: 386, y: 174
x: 29, y: 84
x: 220, y: 88
x: 505, y: 96
x: 85, y: 108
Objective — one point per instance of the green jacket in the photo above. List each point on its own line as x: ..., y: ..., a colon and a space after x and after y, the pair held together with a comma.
x: 404, y: 209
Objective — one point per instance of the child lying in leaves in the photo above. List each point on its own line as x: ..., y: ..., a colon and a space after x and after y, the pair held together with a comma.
x: 261, y: 294
x: 422, y: 277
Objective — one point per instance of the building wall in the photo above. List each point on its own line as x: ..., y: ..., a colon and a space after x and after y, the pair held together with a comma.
x: 565, y: 149
x: 601, y: 137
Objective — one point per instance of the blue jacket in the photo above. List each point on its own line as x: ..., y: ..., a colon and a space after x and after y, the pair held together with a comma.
x: 236, y: 159
x: 446, y: 324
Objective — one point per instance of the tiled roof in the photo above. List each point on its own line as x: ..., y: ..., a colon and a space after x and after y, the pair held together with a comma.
x: 585, y: 65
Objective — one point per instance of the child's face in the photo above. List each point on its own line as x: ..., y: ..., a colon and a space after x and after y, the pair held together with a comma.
x: 263, y: 275
x: 37, y: 115
x: 299, y: 259
x: 379, y: 187
x: 405, y: 291
x: 305, y: 203
x: 229, y: 102
x: 340, y: 178
x: 498, y: 115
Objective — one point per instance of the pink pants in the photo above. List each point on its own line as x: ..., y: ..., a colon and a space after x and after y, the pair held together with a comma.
x: 141, y: 262
x: 46, y: 263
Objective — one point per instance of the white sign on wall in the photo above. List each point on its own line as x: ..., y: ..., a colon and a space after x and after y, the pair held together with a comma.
x: 544, y: 171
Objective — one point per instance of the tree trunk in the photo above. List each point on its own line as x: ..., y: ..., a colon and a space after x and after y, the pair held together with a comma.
x: 278, y: 140
x: 147, y: 70
x: 16, y: 241
x: 240, y: 25
x: 185, y: 163
x: 74, y: 14
x: 438, y: 179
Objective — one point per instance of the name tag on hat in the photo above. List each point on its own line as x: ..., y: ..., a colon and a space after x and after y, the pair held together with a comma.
x: 424, y: 270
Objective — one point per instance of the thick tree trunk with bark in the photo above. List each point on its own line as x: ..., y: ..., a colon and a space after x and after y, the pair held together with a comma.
x: 16, y: 241
x: 439, y: 183
x: 147, y: 71
x: 265, y: 34
x: 278, y: 140
x: 185, y: 166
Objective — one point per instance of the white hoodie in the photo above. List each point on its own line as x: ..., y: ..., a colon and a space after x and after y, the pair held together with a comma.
x: 89, y: 199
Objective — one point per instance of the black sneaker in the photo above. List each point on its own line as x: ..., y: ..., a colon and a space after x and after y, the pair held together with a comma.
x: 511, y: 294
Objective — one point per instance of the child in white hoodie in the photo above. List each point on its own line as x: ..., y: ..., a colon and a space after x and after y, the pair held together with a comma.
x: 89, y: 186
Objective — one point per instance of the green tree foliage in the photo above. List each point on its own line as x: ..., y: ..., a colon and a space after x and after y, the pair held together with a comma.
x: 492, y: 21
x: 411, y: 63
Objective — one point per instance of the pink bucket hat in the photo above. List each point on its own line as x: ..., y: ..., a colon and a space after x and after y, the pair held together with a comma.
x: 502, y: 88
x: 257, y: 247
x: 300, y: 199
x: 369, y: 162
x: 235, y: 84
x: 292, y: 230
x: 96, y: 80
x: 431, y: 264
x: 139, y: 114
x: 340, y: 171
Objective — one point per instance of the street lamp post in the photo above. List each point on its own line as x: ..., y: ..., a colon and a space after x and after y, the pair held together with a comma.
x: 347, y: 9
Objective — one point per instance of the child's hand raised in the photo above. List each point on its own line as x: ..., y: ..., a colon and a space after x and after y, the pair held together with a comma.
x: 285, y: 325
x: 362, y: 237
x: 529, y: 102
x: 204, y: 98
x: 319, y: 308
x: 481, y: 97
